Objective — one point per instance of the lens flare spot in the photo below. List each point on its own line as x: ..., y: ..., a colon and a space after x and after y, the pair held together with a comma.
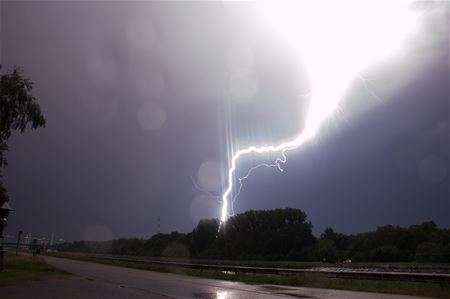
x: 243, y: 84
x: 151, y: 116
x: 209, y: 176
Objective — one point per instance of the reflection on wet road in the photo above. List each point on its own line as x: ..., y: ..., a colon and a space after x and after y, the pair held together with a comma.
x: 105, y: 281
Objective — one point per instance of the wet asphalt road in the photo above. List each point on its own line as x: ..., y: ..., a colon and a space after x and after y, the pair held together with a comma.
x: 111, y: 282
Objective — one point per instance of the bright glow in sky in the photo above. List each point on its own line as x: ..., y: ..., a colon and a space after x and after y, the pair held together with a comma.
x: 335, y: 40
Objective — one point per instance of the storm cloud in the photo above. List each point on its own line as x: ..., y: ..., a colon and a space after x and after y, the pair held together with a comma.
x: 144, y: 100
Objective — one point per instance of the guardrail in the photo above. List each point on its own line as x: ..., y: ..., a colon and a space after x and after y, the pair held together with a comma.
x: 440, y: 278
x: 14, y: 244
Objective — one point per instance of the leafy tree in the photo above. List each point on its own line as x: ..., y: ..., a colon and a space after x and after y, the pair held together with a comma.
x: 3, y: 196
x: 173, y: 245
x: 18, y: 109
x: 446, y: 254
x: 133, y: 246
x: 387, y: 253
x: 359, y: 248
x: 340, y: 243
x: 203, y: 238
x: 326, y: 251
x: 271, y: 234
x: 430, y: 252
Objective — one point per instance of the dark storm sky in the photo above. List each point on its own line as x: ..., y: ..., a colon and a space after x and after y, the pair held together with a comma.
x: 139, y: 98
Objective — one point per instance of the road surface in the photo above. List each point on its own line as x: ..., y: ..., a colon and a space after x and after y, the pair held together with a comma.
x: 112, y: 282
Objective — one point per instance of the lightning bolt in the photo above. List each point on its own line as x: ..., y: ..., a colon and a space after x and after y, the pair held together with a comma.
x: 331, y: 72
x: 315, y: 118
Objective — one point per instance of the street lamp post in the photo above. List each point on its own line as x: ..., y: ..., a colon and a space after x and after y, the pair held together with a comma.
x: 4, y: 213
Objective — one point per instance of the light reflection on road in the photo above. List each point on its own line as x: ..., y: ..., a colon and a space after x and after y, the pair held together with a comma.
x: 223, y: 295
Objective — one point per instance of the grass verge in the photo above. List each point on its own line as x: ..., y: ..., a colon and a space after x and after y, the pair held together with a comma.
x: 27, y: 268
x: 315, y: 280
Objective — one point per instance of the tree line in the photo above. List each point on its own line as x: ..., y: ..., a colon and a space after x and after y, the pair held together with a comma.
x: 283, y: 234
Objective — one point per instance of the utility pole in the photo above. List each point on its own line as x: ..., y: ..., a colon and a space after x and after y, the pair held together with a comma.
x: 158, y: 225
x: 18, y: 241
x: 5, y: 208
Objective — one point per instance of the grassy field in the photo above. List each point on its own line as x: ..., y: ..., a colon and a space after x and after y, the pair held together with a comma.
x: 27, y: 268
x: 316, y: 280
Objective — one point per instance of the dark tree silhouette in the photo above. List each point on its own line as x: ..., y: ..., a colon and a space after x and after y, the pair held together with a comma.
x: 203, y: 238
x: 270, y: 234
x: 18, y: 110
x: 284, y: 234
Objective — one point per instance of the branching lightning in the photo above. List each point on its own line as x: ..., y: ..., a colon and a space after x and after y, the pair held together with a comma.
x: 336, y: 40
